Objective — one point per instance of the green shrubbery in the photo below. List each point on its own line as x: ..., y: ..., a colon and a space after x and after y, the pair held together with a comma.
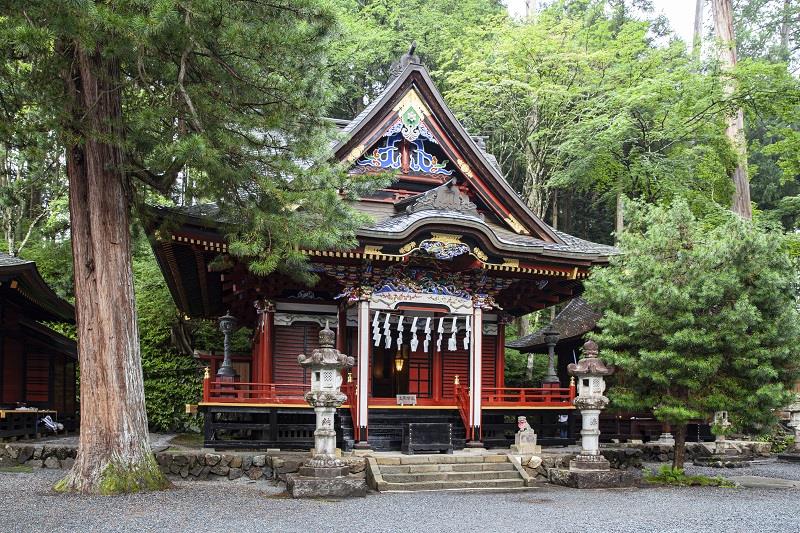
x: 677, y: 477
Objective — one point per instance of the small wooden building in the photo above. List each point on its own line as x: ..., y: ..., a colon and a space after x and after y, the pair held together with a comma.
x: 421, y: 303
x: 37, y: 364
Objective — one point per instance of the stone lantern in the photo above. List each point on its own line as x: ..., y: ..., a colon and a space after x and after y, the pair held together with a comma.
x: 589, y: 469
x: 590, y: 372
x: 325, y: 474
x: 551, y: 338
x: 227, y: 325
x: 794, y: 422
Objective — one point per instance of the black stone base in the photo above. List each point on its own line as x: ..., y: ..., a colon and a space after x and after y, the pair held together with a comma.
x: 596, y: 479
x: 793, y: 457
x: 313, y: 487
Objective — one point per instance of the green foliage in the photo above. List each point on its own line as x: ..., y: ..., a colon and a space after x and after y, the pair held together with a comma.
x: 677, y: 477
x: 171, y: 379
x: 779, y: 441
x: 580, y: 97
x: 699, y: 318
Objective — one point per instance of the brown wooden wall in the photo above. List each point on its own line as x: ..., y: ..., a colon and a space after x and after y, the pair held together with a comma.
x: 291, y: 341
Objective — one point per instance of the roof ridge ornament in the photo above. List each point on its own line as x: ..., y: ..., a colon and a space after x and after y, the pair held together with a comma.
x: 406, y: 59
x: 446, y: 197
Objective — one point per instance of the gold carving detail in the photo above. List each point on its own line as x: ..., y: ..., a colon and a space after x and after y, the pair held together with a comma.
x: 446, y: 238
x: 513, y: 263
x: 371, y: 249
x: 408, y: 247
x: 412, y: 99
x: 516, y: 226
x: 355, y: 153
x: 479, y: 254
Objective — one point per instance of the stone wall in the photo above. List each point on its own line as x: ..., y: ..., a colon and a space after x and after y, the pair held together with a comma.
x: 191, y: 465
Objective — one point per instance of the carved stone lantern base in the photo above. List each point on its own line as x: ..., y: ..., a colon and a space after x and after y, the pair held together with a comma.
x: 589, y: 463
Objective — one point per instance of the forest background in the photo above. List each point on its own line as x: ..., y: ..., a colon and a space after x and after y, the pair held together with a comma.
x: 587, y: 105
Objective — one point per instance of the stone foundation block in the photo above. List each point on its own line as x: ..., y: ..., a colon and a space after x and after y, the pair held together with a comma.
x: 608, y: 479
x: 338, y: 487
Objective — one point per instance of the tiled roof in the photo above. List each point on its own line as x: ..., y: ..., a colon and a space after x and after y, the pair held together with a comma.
x: 9, y: 260
x: 575, y: 320
x: 572, y: 245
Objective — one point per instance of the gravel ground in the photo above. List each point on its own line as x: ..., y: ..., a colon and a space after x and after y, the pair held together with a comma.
x: 29, y: 505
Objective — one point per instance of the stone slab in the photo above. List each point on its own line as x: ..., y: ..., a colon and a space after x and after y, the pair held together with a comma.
x: 608, y: 479
x: 790, y: 457
x: 339, y: 487
x: 759, y: 482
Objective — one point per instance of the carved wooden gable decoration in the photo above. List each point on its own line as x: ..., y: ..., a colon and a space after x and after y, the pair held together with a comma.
x: 409, y: 130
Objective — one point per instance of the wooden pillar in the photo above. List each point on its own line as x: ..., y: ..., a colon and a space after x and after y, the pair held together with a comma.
x: 341, y: 328
x: 263, y: 368
x: 363, y: 373
x: 475, y: 371
x: 500, y: 355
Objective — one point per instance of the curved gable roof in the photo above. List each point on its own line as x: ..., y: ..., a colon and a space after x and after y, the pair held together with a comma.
x: 475, y: 164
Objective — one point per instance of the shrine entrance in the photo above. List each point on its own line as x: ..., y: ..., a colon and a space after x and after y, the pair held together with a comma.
x: 401, y: 371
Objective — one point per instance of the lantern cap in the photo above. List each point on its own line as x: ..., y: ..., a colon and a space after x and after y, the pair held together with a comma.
x: 590, y: 364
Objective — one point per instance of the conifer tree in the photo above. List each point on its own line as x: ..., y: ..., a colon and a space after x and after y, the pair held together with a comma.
x: 137, y: 91
x: 699, y: 318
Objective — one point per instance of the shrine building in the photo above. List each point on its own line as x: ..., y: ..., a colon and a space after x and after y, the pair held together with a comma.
x: 421, y: 303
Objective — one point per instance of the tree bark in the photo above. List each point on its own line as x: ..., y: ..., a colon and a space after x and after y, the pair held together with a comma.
x: 679, y: 457
x: 723, y: 28
x: 697, y: 38
x: 619, y: 222
x: 114, y: 452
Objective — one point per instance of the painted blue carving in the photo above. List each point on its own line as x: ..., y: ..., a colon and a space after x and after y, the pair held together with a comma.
x: 422, y: 161
x: 386, y: 156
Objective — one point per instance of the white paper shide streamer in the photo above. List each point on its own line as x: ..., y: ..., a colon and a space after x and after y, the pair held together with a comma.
x: 414, y: 340
x: 451, y: 342
x: 376, y: 331
x: 387, y: 331
x: 400, y: 332
x: 440, y: 331
x: 467, y: 333
x: 427, y: 330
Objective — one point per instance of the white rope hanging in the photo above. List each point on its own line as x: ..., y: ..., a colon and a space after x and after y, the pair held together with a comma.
x: 414, y: 340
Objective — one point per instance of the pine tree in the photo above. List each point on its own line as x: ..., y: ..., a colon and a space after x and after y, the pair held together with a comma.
x: 699, y: 318
x: 137, y: 91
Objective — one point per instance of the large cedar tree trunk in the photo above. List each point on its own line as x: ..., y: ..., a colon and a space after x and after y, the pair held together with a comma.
x: 723, y: 28
x: 680, y: 446
x: 114, y: 452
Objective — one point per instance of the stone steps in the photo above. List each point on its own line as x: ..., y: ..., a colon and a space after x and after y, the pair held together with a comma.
x: 466, y: 467
x: 451, y: 476
x: 411, y: 473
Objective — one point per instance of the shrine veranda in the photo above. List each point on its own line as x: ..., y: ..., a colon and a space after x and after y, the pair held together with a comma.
x: 421, y: 304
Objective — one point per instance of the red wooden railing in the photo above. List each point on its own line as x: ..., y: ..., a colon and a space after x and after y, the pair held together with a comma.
x: 351, y: 391
x: 535, y: 397
x: 245, y: 392
x: 461, y: 394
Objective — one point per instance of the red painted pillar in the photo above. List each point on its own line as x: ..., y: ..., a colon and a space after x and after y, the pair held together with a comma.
x: 267, y: 336
x: 500, y: 355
